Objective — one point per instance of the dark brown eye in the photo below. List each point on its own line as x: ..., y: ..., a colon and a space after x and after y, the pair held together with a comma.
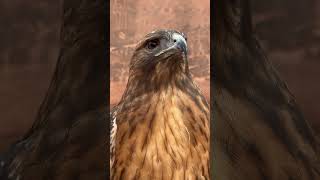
x: 152, y: 44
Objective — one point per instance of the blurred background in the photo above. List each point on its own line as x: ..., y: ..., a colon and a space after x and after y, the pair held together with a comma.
x: 29, y: 47
x: 288, y: 29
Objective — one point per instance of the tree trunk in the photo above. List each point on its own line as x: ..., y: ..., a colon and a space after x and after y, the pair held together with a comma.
x: 68, y: 139
x: 258, y: 131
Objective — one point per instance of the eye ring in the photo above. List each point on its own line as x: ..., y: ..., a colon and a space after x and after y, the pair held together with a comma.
x: 152, y: 44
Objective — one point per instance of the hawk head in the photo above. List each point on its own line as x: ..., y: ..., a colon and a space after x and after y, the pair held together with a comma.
x: 161, y: 55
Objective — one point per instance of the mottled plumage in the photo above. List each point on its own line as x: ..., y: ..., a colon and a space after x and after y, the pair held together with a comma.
x: 161, y: 124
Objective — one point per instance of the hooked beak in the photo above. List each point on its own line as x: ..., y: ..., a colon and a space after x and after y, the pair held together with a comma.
x: 179, y: 43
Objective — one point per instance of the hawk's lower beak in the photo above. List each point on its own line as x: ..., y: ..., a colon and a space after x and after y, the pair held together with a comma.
x: 180, y: 42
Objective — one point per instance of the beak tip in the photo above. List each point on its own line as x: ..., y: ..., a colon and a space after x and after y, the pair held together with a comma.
x: 182, y: 46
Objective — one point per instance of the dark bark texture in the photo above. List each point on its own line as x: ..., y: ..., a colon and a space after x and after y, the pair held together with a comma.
x: 68, y: 139
x: 258, y: 131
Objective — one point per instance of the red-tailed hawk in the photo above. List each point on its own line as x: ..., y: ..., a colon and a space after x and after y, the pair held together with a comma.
x: 161, y: 124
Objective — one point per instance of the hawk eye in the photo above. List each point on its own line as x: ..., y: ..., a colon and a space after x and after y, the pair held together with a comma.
x: 153, y: 44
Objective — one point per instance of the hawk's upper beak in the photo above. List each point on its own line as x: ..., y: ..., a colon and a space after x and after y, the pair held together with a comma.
x: 180, y: 42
